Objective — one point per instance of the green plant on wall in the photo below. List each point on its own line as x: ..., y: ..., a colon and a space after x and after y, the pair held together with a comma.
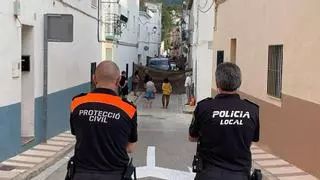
x: 167, y: 22
x: 167, y: 17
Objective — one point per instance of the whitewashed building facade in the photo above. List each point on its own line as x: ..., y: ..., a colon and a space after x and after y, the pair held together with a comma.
x: 201, y: 19
x: 149, y: 32
x: 35, y: 97
x: 120, y: 32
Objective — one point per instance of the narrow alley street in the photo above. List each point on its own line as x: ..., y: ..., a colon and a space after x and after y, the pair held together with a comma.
x: 163, y: 150
x: 246, y: 70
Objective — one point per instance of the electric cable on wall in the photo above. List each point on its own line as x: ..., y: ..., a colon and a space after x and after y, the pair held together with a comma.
x: 208, y: 8
x: 142, y: 22
x: 205, y: 5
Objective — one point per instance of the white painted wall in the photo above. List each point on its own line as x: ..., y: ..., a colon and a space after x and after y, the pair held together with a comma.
x: 27, y: 84
x: 201, y: 54
x: 148, y: 37
x: 10, y: 52
x: 143, y: 36
x: 77, y: 55
x: 297, y: 29
x: 155, y: 11
x: 126, y: 51
x: 69, y: 63
x: 126, y: 48
x: 193, y: 48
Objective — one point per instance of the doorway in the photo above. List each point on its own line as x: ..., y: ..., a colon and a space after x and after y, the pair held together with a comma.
x: 108, y: 54
x: 27, y: 85
x: 220, y: 57
x: 139, y: 59
x: 233, y: 51
x: 92, y: 72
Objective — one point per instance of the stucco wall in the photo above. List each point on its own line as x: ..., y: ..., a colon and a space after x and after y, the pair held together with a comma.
x: 74, y: 56
x: 201, y: 54
x: 125, y: 52
x: 258, y: 24
x: 9, y: 53
x: 147, y: 36
x: 204, y: 54
x: 107, y: 45
x: 68, y: 72
x: 143, y: 37
x: 126, y: 55
x: 287, y: 124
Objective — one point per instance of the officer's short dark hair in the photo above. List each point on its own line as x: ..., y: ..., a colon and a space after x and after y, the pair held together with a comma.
x: 228, y: 76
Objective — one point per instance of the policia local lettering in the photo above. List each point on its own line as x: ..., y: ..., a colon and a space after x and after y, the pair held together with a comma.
x: 231, y: 117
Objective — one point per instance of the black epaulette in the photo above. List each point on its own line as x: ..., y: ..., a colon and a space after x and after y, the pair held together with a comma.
x: 79, y: 95
x: 129, y: 102
x: 252, y: 103
x: 204, y: 100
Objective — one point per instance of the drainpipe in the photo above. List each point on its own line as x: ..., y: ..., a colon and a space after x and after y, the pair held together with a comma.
x: 98, y: 27
x: 195, y: 69
x: 217, y: 2
x: 43, y: 136
x: 99, y: 20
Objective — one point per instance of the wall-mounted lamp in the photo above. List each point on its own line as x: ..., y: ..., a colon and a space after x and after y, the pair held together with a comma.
x: 154, y: 29
x: 183, y: 24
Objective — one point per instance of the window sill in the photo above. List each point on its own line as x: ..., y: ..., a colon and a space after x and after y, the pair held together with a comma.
x: 274, y: 100
x: 26, y: 140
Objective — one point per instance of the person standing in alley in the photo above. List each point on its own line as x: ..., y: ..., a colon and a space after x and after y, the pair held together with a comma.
x: 224, y: 128
x: 146, y: 77
x: 150, y: 93
x: 135, y: 83
x: 166, y: 92
x: 124, y: 89
x: 188, y: 86
x: 105, y: 127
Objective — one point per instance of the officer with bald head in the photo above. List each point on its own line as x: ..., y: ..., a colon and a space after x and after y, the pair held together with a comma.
x: 107, y: 75
x: 105, y: 127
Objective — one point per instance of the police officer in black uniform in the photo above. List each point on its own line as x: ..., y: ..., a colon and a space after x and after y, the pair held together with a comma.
x: 224, y: 128
x: 105, y: 127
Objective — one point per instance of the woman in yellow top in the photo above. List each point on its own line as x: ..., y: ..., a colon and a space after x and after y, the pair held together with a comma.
x: 166, y: 91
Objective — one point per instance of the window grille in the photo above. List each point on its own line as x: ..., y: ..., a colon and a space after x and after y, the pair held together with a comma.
x: 94, y: 3
x: 275, y: 61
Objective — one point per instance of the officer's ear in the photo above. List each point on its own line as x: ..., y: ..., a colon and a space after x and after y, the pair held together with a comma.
x: 94, y: 79
x: 218, y: 90
x: 118, y: 81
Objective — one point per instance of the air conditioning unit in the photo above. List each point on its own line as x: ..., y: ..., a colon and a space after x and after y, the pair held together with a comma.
x: 210, y: 45
x: 220, y: 1
x: 123, y: 18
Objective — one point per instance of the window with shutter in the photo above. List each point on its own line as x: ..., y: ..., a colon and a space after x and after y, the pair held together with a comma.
x: 275, y: 61
x: 94, y: 3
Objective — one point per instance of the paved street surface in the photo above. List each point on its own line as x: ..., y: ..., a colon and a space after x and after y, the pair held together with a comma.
x: 163, y: 151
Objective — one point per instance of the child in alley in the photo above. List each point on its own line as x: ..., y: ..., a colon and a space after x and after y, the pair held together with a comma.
x: 166, y: 92
x: 150, y: 93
